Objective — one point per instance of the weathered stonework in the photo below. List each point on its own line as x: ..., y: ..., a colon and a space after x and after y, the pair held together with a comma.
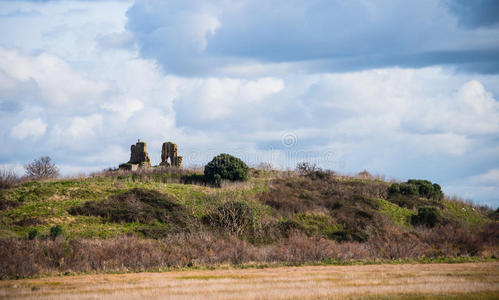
x: 139, y: 157
x: 169, y: 155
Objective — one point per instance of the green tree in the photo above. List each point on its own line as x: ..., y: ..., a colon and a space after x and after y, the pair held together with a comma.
x: 225, y: 166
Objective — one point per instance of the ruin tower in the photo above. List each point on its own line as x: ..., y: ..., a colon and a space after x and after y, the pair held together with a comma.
x: 139, y: 155
x: 169, y: 155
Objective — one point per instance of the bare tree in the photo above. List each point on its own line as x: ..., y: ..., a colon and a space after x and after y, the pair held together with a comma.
x: 41, y: 168
x: 8, y: 178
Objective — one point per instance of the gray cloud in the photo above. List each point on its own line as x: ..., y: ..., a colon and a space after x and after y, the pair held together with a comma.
x: 476, y: 13
x: 193, y: 38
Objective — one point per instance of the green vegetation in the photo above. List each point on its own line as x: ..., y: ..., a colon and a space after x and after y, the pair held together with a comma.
x: 290, y: 217
x: 55, y: 231
x: 427, y: 216
x: 225, y: 166
x: 315, y: 203
x: 416, y: 187
x: 33, y: 233
x: 398, y: 215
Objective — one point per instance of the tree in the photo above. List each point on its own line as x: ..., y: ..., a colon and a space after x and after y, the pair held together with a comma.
x: 41, y: 168
x: 225, y: 166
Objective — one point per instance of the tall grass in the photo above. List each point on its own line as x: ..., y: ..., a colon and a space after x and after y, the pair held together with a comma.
x: 24, y: 258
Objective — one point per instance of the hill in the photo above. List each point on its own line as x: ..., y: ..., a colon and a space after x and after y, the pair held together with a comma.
x: 160, y: 218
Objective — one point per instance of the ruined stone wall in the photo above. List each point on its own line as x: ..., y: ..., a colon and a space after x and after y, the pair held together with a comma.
x: 139, y: 155
x: 169, y: 155
x: 140, y: 158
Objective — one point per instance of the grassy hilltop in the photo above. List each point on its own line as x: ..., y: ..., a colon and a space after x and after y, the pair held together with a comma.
x: 162, y: 218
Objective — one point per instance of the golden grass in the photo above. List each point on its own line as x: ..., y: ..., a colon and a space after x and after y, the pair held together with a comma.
x: 405, y: 281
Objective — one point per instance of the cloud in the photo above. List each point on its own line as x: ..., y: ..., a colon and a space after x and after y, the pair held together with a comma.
x: 491, y: 177
x: 180, y: 31
x: 471, y: 111
x: 29, y: 128
x: 124, y: 107
x: 205, y: 100
x: 56, y: 82
x: 196, y: 38
x: 478, y: 13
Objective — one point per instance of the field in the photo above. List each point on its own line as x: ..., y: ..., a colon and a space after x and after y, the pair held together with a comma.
x: 405, y: 281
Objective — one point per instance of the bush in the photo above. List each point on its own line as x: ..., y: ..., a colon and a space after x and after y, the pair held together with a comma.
x: 236, y: 217
x: 8, y: 179
x: 41, y: 168
x: 55, y: 231
x: 427, y: 216
x: 312, y: 171
x: 225, y: 166
x: 33, y: 233
x: 417, y: 187
x: 408, y: 189
x: 427, y: 189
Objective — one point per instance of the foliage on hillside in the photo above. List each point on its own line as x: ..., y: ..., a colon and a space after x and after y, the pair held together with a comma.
x: 308, y: 208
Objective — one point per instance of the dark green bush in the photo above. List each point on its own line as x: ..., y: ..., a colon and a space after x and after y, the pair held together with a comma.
x: 428, y: 216
x: 427, y: 189
x: 409, y: 189
x: 416, y: 187
x: 394, y: 189
x: 55, y: 231
x: 225, y: 166
x: 32, y: 234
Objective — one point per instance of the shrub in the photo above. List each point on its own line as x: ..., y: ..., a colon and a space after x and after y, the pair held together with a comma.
x: 312, y: 171
x: 8, y: 179
x: 408, y: 189
x: 417, y: 187
x: 225, y: 166
x: 41, y: 168
x: 427, y: 216
x: 55, y: 231
x: 236, y: 217
x: 427, y: 189
x: 33, y: 233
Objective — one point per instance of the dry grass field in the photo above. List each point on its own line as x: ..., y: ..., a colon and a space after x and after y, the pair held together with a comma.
x: 405, y: 281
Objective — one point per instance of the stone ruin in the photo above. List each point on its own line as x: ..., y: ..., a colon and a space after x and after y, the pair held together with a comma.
x: 139, y: 158
x: 169, y: 152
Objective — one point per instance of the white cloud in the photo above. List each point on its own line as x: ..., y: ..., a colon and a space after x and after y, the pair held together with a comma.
x: 110, y: 155
x: 83, y: 126
x: 59, y: 85
x: 491, y: 177
x: 214, y: 98
x: 29, y: 128
x: 125, y: 107
x: 471, y: 111
x: 77, y: 129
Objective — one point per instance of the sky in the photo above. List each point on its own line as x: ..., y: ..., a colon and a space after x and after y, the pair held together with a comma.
x: 402, y: 89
